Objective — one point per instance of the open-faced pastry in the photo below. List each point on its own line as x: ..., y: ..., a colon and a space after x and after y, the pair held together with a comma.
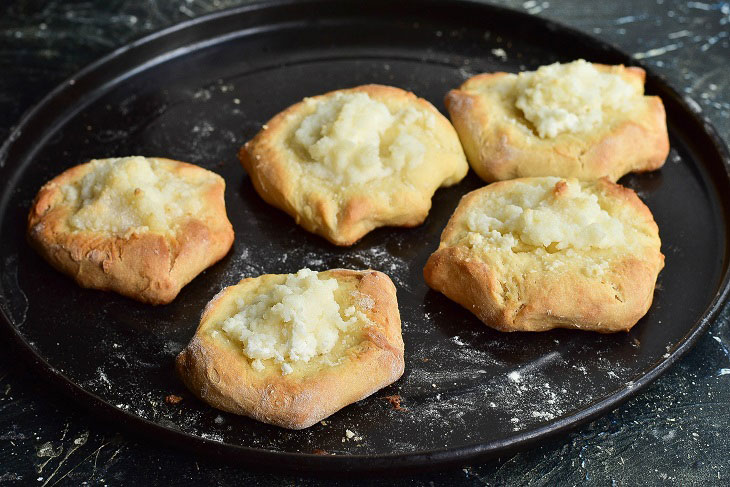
x: 579, y: 120
x: 349, y: 161
x: 534, y: 254
x: 143, y: 227
x: 292, y: 349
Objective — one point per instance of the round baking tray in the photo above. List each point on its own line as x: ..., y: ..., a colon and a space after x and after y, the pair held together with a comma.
x: 196, y: 92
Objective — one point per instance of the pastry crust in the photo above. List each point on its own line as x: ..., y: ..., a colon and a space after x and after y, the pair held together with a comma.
x: 526, y: 289
x: 501, y: 144
x: 147, y: 266
x: 215, y: 368
x: 343, y: 213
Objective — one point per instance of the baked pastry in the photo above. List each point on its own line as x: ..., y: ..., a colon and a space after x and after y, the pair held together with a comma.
x: 534, y: 254
x: 143, y: 227
x: 579, y: 120
x: 349, y: 161
x: 292, y: 349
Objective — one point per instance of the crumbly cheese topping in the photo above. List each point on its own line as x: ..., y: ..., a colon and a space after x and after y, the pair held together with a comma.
x: 571, y: 97
x: 130, y: 195
x: 554, y: 214
x: 294, y: 322
x: 352, y: 138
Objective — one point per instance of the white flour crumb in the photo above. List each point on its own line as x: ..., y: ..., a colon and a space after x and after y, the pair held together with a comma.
x: 204, y: 129
x: 202, y: 95
x: 351, y: 435
x: 500, y: 53
x: 314, y: 262
x: 543, y: 415
x: 211, y: 436
x: 581, y: 369
x: 103, y: 377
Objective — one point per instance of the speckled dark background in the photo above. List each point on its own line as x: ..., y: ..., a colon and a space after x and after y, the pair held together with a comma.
x: 675, y: 433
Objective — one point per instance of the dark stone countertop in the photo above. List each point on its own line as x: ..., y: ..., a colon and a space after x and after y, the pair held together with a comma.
x: 674, y: 433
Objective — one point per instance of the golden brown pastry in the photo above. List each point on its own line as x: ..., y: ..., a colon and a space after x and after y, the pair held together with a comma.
x: 292, y: 349
x: 534, y: 254
x: 349, y: 161
x: 143, y: 227
x: 579, y: 120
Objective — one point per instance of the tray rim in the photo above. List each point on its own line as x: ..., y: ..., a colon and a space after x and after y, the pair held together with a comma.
x: 343, y: 463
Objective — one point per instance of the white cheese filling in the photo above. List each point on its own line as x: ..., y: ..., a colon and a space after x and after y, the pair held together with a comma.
x: 539, y: 216
x: 130, y: 195
x: 352, y: 138
x: 572, y: 97
x: 294, y: 322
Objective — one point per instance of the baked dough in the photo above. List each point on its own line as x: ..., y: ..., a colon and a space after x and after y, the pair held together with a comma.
x: 143, y: 227
x: 534, y: 254
x: 345, y: 324
x: 348, y: 161
x: 577, y: 120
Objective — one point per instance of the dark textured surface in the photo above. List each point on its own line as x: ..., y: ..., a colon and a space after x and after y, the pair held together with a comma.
x: 466, y: 388
x: 674, y: 433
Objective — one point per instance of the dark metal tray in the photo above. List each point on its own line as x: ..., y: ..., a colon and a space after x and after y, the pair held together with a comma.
x: 196, y: 92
